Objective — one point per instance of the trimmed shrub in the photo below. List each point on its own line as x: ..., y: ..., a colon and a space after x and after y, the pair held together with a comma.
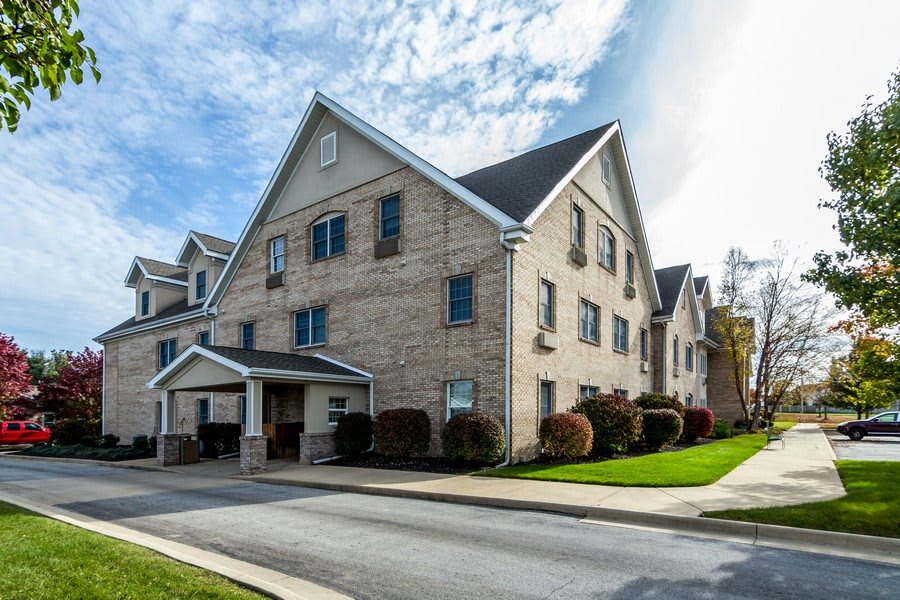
x: 661, y: 426
x: 353, y: 434
x: 402, y: 432
x: 698, y: 422
x: 218, y: 438
x: 655, y: 400
x: 110, y: 440
x: 473, y: 438
x: 616, y: 422
x: 566, y: 435
x: 722, y: 429
x: 91, y: 441
x: 69, y: 432
x: 140, y: 442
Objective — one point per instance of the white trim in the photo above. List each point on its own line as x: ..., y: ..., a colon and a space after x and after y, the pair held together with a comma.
x: 147, y: 275
x: 140, y: 328
x: 344, y: 365
x: 273, y: 256
x: 192, y: 237
x: 305, y: 376
x: 189, y: 353
x: 327, y: 136
x: 605, y: 161
x: 686, y: 285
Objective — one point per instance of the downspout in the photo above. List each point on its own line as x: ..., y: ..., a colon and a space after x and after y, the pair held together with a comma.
x: 508, y: 365
x: 372, y: 410
x: 211, y: 315
x: 103, y: 397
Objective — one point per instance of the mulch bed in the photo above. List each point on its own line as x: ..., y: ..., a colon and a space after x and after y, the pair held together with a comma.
x: 419, y: 464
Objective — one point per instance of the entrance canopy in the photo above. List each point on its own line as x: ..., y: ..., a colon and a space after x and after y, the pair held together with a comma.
x: 226, y: 369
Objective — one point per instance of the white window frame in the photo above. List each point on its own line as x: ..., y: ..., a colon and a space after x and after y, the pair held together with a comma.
x: 675, y: 351
x: 551, y: 385
x: 688, y: 357
x: 617, y: 322
x: 606, y: 248
x: 334, y: 409
x: 584, y: 391
x: 590, y: 305
x: 550, y: 305
x: 147, y: 293
x: 197, y: 295
x: 322, y: 141
x: 309, y: 313
x: 200, y: 402
x: 450, y: 385
x: 252, y: 337
x: 471, y: 299
x: 606, y: 170
x: 273, y: 257
x: 328, y: 219
x: 645, y: 344
x: 629, y: 267
x: 169, y: 342
x: 200, y: 337
x: 381, y: 236
x: 578, y: 233
x: 701, y: 362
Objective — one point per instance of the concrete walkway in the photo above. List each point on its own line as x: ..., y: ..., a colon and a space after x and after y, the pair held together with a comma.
x: 803, y: 471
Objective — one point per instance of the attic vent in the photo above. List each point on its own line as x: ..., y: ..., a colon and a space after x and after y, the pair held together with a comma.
x: 328, y: 145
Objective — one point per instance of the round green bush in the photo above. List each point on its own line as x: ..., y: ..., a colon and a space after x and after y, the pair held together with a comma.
x: 722, y: 429
x: 566, y: 435
x: 652, y: 400
x: 698, y: 422
x: 616, y: 422
x: 473, y: 438
x: 353, y: 434
x: 662, y: 426
x: 69, y: 432
x: 402, y: 432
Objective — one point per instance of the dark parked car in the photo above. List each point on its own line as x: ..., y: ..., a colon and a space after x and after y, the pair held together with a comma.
x: 887, y: 423
x: 23, y: 432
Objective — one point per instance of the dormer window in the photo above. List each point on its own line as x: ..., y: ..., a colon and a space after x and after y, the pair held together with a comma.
x: 607, y: 170
x: 145, y: 303
x: 276, y: 254
x: 201, y: 285
x: 328, y: 147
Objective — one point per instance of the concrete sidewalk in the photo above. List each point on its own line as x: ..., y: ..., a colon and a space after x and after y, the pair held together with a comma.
x: 802, y: 472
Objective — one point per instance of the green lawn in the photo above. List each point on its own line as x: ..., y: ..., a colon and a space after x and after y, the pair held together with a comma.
x: 46, y: 559
x: 700, y: 465
x: 870, y: 507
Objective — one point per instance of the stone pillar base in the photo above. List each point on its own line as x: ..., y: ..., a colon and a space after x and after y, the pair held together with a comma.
x: 168, y: 449
x: 313, y: 446
x: 253, y: 454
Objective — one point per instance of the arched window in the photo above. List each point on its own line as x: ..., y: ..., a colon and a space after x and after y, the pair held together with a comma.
x: 689, y: 356
x: 675, y: 351
x: 689, y: 400
x: 607, y: 249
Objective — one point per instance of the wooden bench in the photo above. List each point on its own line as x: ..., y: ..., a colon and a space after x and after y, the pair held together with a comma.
x: 773, y: 437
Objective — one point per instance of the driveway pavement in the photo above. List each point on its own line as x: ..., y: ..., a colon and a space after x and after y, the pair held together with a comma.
x: 381, y: 547
x: 869, y: 448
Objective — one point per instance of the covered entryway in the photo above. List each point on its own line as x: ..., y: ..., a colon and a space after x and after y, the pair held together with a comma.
x: 321, y: 388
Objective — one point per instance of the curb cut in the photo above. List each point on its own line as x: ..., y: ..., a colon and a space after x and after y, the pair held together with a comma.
x: 90, y: 461
x: 265, y: 581
x: 850, y: 545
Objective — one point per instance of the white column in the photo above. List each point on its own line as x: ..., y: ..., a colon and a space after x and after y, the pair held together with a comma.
x: 254, y: 408
x: 167, y: 424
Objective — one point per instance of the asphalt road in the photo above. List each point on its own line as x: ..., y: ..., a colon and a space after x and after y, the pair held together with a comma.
x: 380, y: 547
x: 873, y: 447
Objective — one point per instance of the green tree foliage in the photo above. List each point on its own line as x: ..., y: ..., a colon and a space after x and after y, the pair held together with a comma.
x: 39, y: 47
x: 43, y: 365
x: 868, y: 378
x: 863, y: 170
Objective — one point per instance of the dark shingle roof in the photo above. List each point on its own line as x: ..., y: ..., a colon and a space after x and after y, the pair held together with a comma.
x: 176, y: 309
x: 161, y: 269
x: 516, y: 186
x: 215, y: 244
x: 700, y: 283
x: 669, y: 281
x: 712, y: 315
x: 262, y: 359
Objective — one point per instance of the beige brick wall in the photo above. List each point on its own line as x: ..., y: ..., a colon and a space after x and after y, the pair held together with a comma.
x: 575, y: 362
x: 722, y: 396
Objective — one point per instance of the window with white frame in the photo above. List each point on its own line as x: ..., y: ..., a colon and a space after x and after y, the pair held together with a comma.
x: 200, y: 288
x: 247, y: 336
x: 167, y: 352
x: 589, y: 328
x: 145, y: 303
x: 546, y: 399
x: 309, y: 327
x: 689, y: 356
x: 689, y: 399
x: 607, y: 251
x: 202, y: 411
x: 588, y: 391
x: 645, y: 344
x: 328, y: 147
x: 629, y: 267
x: 337, y: 408
x: 577, y: 226
x: 675, y: 351
x: 328, y: 236
x: 620, y: 334
x: 547, y: 304
x: 620, y: 392
x: 459, y: 398
x: 390, y: 217
x: 276, y: 255
x: 459, y: 299
x: 203, y: 338
x: 607, y: 170
x: 701, y: 360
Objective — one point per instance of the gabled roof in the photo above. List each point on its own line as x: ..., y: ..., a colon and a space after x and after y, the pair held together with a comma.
x: 518, y: 186
x: 670, y: 282
x: 208, y: 244
x: 712, y: 316
x: 176, y: 312
x: 155, y: 270
x: 700, y: 284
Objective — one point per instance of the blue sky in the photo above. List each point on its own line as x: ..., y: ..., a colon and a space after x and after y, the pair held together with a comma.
x: 725, y: 108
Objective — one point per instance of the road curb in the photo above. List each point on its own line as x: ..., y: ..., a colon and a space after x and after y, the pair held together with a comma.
x: 90, y: 461
x: 872, y: 548
x: 265, y: 581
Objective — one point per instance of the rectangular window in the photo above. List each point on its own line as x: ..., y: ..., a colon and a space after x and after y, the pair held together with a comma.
x: 546, y: 400
x: 243, y: 403
x: 166, y: 353
x: 459, y: 299
x: 689, y: 357
x: 337, y: 408
x: 590, y: 317
x: 200, y: 279
x: 607, y: 249
x: 701, y: 358
x: 390, y: 217
x: 247, y: 331
x: 459, y: 398
x: 588, y: 391
x: 645, y: 344
x: 675, y: 351
x: 309, y: 327
x: 328, y: 237
x: 620, y: 392
x: 620, y: 334
x: 202, y: 411
x: 145, y: 304
x: 547, y: 308
x: 203, y: 338
x: 159, y: 416
x: 276, y: 255
x: 607, y: 170
x: 577, y: 226
x: 328, y: 148
x: 629, y: 267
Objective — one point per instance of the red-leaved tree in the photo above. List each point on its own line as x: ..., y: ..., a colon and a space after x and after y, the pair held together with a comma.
x: 15, y: 380
x: 78, y: 391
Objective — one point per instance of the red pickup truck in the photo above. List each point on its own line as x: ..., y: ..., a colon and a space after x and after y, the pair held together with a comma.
x: 23, y: 432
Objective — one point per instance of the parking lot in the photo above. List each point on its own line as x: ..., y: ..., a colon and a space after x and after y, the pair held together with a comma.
x: 869, y: 448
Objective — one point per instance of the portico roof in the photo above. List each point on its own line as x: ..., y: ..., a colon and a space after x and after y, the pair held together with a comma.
x: 211, y: 367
